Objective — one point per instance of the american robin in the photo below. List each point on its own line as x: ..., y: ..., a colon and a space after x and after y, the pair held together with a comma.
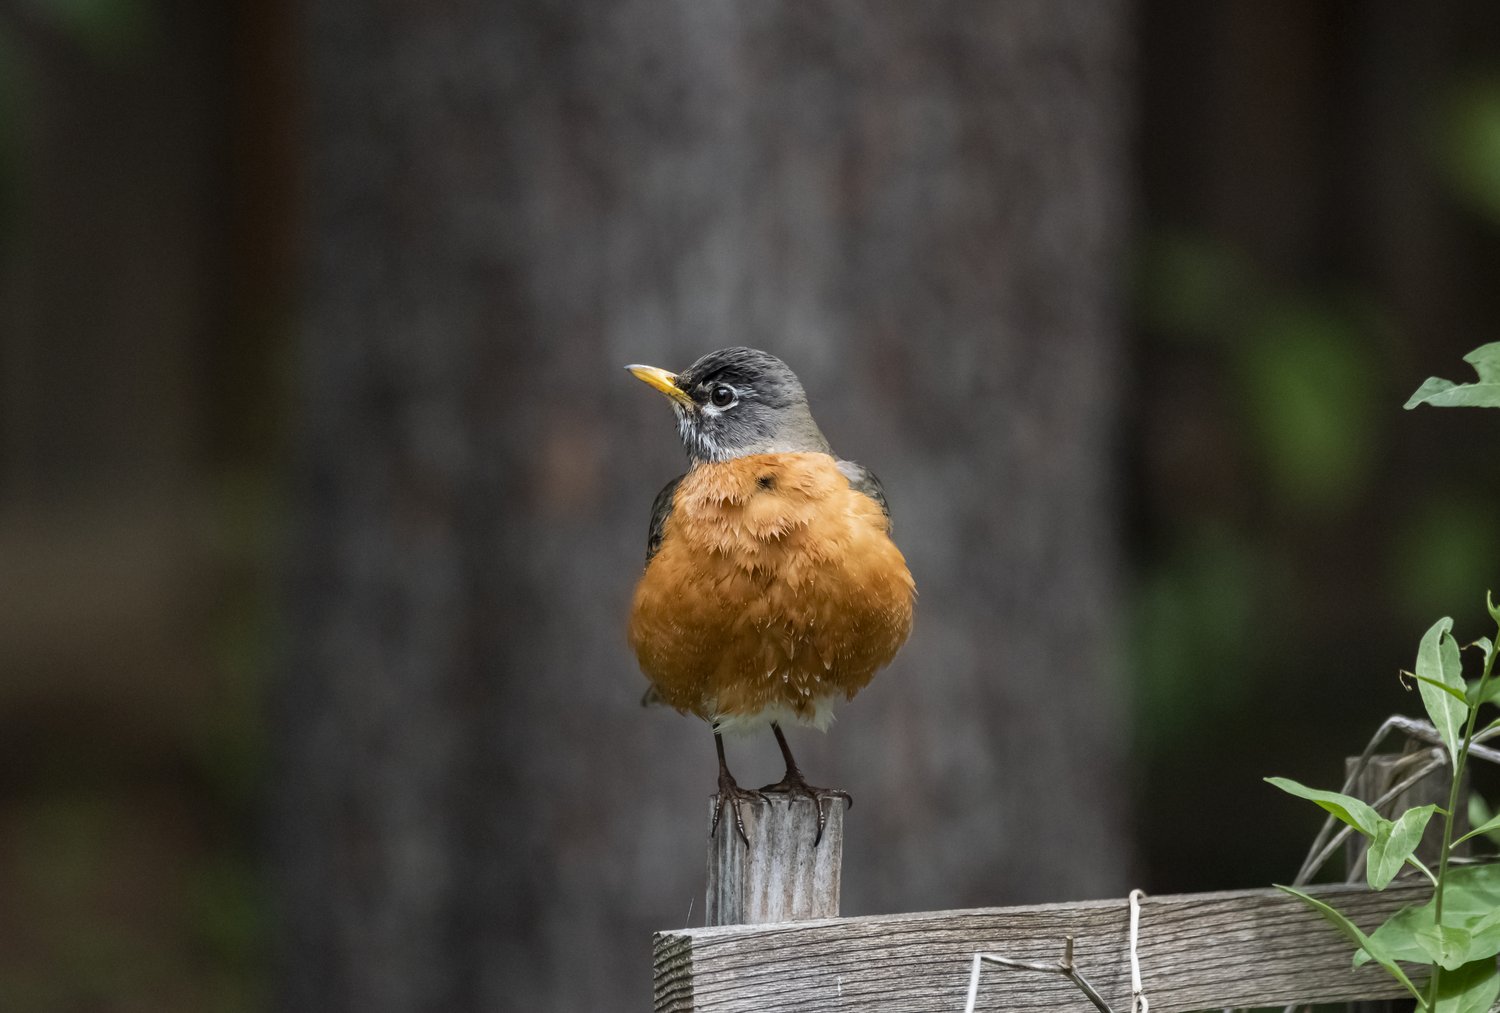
x: 772, y: 587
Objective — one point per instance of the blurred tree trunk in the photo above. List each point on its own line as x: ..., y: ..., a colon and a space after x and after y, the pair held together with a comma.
x: 920, y: 207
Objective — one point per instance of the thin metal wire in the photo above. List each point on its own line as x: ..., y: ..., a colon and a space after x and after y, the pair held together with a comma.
x: 1064, y: 967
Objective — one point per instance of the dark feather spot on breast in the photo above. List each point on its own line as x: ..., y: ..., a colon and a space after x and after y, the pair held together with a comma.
x: 766, y: 481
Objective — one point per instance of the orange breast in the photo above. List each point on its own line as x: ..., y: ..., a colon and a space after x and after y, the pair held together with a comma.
x: 776, y: 589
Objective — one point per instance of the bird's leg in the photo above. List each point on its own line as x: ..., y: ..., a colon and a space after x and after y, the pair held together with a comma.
x: 731, y: 792
x: 793, y: 783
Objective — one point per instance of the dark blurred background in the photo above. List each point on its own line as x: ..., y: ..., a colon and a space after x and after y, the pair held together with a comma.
x: 322, y: 492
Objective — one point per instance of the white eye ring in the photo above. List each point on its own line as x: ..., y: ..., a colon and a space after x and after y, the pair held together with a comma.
x: 722, y: 395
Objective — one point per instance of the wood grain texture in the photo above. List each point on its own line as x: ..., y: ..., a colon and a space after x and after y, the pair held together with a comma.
x: 1197, y: 951
x: 781, y: 877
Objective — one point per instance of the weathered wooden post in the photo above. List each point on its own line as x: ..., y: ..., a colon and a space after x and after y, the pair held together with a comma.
x: 781, y: 876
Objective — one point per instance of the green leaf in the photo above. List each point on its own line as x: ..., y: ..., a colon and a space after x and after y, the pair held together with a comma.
x: 1490, y: 826
x: 1465, y: 697
x: 1481, y: 818
x: 1446, y: 394
x: 1410, y: 935
x: 1430, y: 387
x: 1484, y: 936
x: 1438, y: 661
x: 1345, y: 808
x: 1486, y: 361
x: 1444, y: 944
x: 1470, y: 891
x: 1471, y: 988
x: 1443, y: 394
x: 1491, y: 693
x: 1366, y: 943
x: 1489, y: 603
x: 1492, y: 689
x: 1393, y: 844
x: 1471, y: 895
x: 1397, y: 937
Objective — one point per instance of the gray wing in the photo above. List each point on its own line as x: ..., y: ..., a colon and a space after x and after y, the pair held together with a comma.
x: 660, y: 511
x: 862, y: 479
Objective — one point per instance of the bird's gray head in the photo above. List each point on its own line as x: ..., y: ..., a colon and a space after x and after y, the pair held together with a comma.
x: 737, y: 401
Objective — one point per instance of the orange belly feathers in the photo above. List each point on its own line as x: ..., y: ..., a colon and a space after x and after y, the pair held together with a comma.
x: 776, y: 591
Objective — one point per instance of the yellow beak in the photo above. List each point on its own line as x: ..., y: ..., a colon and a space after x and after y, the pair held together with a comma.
x: 663, y: 381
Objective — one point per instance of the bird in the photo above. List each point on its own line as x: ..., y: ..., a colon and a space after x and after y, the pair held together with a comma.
x: 772, y: 589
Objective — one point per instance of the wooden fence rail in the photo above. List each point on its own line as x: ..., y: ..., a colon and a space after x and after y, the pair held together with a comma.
x: 1202, y: 951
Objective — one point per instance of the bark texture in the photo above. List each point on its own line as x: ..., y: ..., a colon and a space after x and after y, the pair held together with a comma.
x: 920, y: 208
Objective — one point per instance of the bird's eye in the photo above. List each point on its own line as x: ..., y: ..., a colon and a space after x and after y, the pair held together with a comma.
x: 722, y: 396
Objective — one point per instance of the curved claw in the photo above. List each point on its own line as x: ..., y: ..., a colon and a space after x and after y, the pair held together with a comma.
x: 794, y: 784
x: 729, y: 790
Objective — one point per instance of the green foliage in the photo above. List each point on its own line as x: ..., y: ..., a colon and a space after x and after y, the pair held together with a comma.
x: 1491, y: 693
x: 1484, y: 821
x: 1305, y: 372
x: 1393, y: 845
x: 1474, y: 693
x: 1439, y: 666
x: 1366, y: 943
x: 1471, y: 148
x: 1472, y: 895
x: 1457, y: 932
x: 1392, y: 842
x: 1442, y: 393
x: 1471, y: 989
x: 1345, y: 808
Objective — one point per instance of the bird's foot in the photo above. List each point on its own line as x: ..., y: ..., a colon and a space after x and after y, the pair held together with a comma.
x: 732, y: 793
x: 794, y: 784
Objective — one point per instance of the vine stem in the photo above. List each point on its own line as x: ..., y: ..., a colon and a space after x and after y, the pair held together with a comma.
x: 1458, y: 776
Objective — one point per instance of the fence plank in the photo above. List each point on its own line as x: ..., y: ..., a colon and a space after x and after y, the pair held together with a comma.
x: 1197, y: 951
